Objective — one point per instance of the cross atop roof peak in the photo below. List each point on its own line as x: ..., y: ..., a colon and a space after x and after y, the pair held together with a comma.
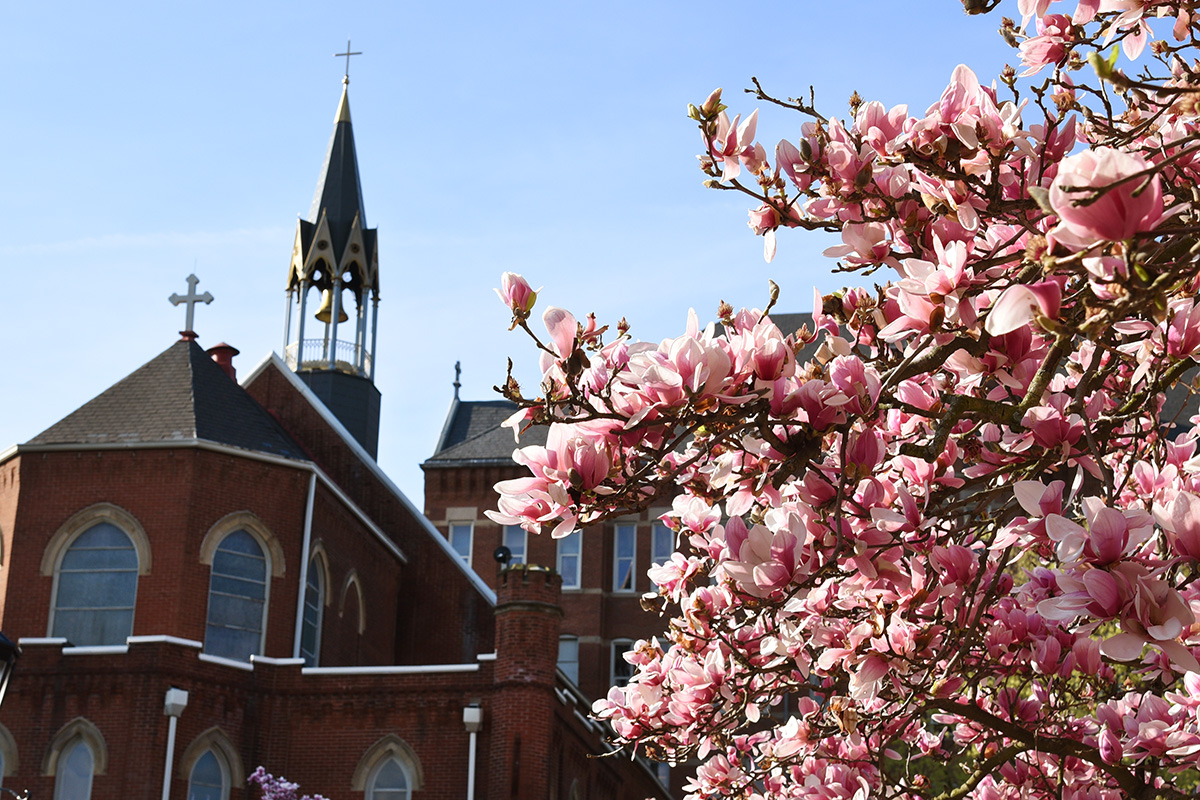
x: 347, y: 54
x: 190, y: 299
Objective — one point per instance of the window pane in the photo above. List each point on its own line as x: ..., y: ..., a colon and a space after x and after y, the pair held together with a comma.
x: 568, y: 559
x: 568, y: 657
x: 239, y: 565
x: 231, y: 611
x: 236, y: 598
x: 229, y: 643
x: 97, y: 588
x: 389, y: 782
x: 99, y: 558
x: 238, y: 586
x: 624, y: 542
x: 314, y: 601
x: 94, y: 628
x: 460, y: 540
x: 662, y: 544
x: 207, y: 781
x: 514, y: 540
x: 73, y: 776
x: 622, y: 670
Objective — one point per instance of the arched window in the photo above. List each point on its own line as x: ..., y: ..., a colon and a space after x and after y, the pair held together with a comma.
x: 237, y: 598
x: 209, y: 778
x: 314, y: 605
x: 389, y: 770
x: 96, y: 588
x: 211, y: 766
x: 73, y: 775
x: 388, y: 781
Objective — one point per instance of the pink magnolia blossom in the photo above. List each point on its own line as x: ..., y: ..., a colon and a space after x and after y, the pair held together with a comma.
x: 515, y: 293
x: 927, y: 525
x: 1050, y: 46
x: 1097, y: 198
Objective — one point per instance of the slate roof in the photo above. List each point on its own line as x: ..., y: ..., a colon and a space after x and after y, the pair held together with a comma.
x: 339, y: 189
x: 178, y: 396
x: 473, y: 435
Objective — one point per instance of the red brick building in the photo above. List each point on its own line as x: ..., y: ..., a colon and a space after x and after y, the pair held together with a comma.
x: 603, y: 568
x: 206, y: 576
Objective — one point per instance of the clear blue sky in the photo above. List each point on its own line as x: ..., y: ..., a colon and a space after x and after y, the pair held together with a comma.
x: 143, y: 141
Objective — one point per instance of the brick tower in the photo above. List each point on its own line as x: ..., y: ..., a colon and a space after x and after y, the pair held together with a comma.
x: 527, y: 624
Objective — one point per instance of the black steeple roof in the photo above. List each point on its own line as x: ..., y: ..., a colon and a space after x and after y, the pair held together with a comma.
x: 180, y: 395
x: 335, y: 239
x: 339, y: 191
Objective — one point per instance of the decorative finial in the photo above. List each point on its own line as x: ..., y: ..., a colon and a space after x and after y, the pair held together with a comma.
x: 190, y: 299
x: 347, y: 54
x: 457, y: 374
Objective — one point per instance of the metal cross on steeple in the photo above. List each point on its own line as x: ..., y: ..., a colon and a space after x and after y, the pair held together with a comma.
x: 191, y: 298
x: 347, y: 54
x: 457, y: 375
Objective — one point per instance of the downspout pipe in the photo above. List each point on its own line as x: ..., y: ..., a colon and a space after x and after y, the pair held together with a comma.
x: 473, y: 721
x: 304, y: 551
x: 173, y: 705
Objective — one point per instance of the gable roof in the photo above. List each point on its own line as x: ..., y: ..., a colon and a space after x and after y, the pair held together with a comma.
x: 473, y: 436
x: 180, y: 395
x: 274, y: 362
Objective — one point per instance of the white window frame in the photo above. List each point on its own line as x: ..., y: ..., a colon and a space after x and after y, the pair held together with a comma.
x: 576, y: 538
x: 617, y: 648
x: 470, y: 526
x: 513, y: 531
x: 572, y: 672
x: 618, y: 559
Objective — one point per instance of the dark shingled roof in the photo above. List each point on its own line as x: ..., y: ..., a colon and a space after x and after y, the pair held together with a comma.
x: 339, y: 190
x: 180, y: 395
x: 473, y: 435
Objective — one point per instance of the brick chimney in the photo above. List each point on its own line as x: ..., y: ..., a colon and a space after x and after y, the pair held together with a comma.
x: 223, y: 354
x: 528, y: 618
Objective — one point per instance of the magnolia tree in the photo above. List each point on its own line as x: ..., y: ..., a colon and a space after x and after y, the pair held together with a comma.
x: 275, y: 787
x: 955, y: 554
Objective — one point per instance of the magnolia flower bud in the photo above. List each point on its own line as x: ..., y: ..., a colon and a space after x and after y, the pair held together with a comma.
x: 517, y: 295
x: 712, y: 106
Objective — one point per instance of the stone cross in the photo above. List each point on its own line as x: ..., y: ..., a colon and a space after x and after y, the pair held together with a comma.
x: 191, y: 298
x: 347, y: 54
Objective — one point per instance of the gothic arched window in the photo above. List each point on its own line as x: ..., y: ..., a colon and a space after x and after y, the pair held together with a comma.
x: 314, y: 606
x: 209, y: 778
x: 389, y: 781
x: 73, y: 772
x: 237, y: 598
x: 96, y: 587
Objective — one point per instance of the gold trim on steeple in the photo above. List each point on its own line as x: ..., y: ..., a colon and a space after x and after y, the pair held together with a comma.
x: 343, y: 111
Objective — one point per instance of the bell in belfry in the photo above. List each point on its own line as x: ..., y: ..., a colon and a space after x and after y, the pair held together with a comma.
x: 325, y: 312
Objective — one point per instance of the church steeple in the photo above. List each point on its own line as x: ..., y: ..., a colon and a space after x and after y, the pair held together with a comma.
x: 335, y: 253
